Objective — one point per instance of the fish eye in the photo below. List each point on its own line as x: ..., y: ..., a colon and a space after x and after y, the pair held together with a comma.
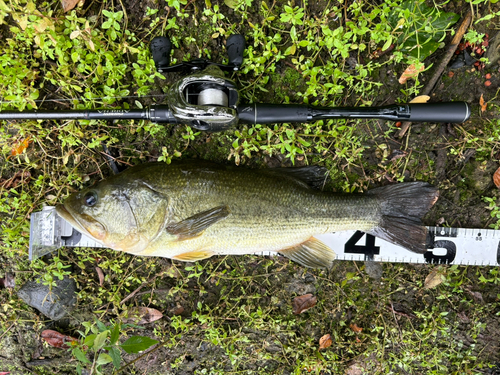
x: 90, y: 199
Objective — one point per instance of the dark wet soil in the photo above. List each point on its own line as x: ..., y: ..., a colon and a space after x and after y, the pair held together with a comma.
x: 206, y: 326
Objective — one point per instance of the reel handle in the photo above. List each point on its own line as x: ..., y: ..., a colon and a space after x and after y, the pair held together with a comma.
x: 160, y: 48
x: 235, y: 47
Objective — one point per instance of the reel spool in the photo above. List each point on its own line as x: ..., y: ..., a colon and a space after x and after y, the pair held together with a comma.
x: 206, y: 100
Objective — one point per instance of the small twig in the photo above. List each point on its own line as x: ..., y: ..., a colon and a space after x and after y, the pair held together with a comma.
x: 8, y: 329
x: 139, y: 288
x: 442, y: 65
x: 141, y: 356
x: 394, y: 311
x: 292, y: 66
x: 396, y: 321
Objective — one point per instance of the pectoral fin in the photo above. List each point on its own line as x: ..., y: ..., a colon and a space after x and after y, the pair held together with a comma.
x: 193, y: 256
x: 312, y: 253
x: 195, y: 225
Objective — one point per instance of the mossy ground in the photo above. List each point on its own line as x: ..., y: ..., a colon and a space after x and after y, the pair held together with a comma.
x: 233, y: 315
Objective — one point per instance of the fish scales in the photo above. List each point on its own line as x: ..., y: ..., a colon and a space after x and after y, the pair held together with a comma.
x: 195, y: 209
x: 266, y: 214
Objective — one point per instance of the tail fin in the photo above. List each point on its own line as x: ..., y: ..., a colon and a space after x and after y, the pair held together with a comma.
x: 402, y: 208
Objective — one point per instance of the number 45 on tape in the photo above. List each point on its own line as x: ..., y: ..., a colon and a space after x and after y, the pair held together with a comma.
x: 479, y: 247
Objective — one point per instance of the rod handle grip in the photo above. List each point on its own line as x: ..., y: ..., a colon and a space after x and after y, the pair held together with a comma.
x: 455, y: 112
x: 272, y: 113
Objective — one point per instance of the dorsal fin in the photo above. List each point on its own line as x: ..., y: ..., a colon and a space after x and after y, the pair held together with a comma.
x: 312, y: 176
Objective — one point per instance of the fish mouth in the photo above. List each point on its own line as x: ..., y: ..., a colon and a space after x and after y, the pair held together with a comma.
x: 66, y: 215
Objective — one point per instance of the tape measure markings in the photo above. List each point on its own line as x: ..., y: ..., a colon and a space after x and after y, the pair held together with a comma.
x: 445, y: 245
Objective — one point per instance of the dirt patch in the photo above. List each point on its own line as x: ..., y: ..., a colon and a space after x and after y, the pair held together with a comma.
x: 234, y: 314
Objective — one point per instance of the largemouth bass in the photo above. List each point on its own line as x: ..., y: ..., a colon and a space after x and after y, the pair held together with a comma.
x: 191, y: 210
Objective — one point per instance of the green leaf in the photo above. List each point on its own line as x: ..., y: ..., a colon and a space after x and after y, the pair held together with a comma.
x: 387, y: 44
x: 100, y: 340
x: 115, y: 334
x: 137, y: 344
x: 291, y: 50
x: 80, y: 356
x: 445, y: 20
x: 102, y: 327
x: 114, y: 352
x: 232, y: 3
x: 103, y: 359
x: 89, y: 340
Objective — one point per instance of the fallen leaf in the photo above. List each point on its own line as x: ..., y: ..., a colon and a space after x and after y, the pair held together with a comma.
x: 463, y: 317
x: 482, y: 103
x: 397, y: 154
x: 325, y: 341
x: 19, y: 147
x: 420, y: 99
x: 8, y: 281
x: 58, y: 340
x: 411, y: 72
x: 478, y: 297
x: 435, y: 278
x: 177, y: 310
x: 70, y: 4
x: 101, y: 276
x: 303, y: 303
x: 143, y: 315
x: 496, y: 178
x: 355, y: 328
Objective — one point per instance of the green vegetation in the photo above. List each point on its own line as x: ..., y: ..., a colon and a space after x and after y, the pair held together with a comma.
x: 233, y: 315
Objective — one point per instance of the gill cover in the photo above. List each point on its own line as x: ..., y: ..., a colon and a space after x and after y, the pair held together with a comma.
x: 122, y: 215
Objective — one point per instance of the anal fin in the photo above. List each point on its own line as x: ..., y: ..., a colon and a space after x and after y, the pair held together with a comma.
x: 193, y: 256
x: 312, y: 253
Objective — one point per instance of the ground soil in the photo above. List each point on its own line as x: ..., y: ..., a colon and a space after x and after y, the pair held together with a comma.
x: 464, y: 179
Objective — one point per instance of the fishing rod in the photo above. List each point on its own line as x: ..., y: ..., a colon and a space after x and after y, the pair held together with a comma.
x: 206, y: 100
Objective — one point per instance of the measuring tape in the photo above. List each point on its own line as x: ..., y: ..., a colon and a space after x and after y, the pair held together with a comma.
x: 477, y: 247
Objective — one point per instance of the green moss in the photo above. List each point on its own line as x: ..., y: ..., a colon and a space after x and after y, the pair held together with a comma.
x: 285, y: 86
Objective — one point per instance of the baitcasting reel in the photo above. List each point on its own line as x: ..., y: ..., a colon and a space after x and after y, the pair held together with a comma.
x: 205, y: 100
